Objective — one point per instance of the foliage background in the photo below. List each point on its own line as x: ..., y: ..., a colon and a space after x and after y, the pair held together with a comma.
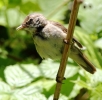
x: 24, y: 75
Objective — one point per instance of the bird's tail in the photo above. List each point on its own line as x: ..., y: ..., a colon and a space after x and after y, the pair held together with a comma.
x: 83, y: 62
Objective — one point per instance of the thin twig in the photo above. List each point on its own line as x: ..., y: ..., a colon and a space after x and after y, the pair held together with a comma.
x: 61, y: 71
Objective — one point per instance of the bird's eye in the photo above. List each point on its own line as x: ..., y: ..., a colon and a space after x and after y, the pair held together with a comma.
x: 29, y: 22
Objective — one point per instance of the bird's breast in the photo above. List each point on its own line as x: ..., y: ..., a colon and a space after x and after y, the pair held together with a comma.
x: 49, y: 42
x: 49, y: 48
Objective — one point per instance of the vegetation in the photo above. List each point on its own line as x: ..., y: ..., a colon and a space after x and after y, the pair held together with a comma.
x: 24, y: 75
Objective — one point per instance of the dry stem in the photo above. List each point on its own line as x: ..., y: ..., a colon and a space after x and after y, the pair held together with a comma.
x: 61, y: 71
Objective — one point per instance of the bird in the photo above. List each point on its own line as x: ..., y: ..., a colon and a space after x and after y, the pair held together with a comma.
x: 49, y: 36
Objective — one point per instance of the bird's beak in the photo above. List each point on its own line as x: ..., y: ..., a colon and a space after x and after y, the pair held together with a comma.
x: 21, y: 27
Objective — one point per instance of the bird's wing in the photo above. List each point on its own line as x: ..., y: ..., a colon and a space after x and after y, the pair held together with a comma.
x: 65, y: 31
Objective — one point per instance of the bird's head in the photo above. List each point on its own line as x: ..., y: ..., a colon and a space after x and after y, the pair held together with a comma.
x: 32, y: 22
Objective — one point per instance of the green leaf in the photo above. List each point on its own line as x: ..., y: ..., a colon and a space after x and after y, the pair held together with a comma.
x: 90, y: 16
x: 97, y: 93
x: 49, y: 69
x: 4, y: 61
x: 2, y: 18
x: 13, y: 3
x: 98, y: 43
x: 68, y: 86
x: 51, y: 4
x: 53, y: 8
x: 75, y: 91
x: 93, y: 84
x: 83, y: 84
x: 5, y: 91
x: 12, y: 21
x: 4, y: 88
x: 30, y: 6
x: 61, y: 97
x: 1, y: 4
x: 30, y: 92
x: 21, y: 75
x: 96, y: 78
x: 7, y: 19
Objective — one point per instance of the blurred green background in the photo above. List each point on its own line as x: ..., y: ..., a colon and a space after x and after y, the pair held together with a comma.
x: 24, y: 75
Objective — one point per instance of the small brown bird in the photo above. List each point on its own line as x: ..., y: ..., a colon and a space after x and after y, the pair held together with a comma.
x: 49, y: 39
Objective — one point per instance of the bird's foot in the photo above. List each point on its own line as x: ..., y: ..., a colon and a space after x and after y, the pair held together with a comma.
x: 59, y: 80
x: 67, y: 42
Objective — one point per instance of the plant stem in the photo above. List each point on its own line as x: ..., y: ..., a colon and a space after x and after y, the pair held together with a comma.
x: 61, y: 71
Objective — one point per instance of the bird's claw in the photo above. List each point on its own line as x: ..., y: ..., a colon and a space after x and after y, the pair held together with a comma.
x: 67, y: 42
x: 59, y: 80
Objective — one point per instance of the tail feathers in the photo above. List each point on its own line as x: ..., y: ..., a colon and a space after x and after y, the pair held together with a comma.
x: 82, y: 61
x: 88, y: 66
